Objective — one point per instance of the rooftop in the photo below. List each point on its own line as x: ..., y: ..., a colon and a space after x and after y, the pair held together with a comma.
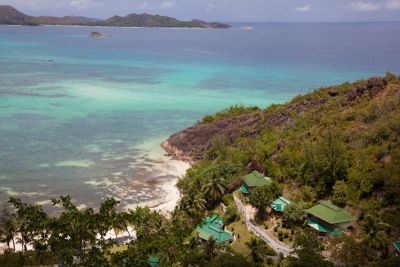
x: 280, y: 203
x: 244, y: 189
x: 330, y: 213
x: 153, y: 261
x: 323, y: 228
x: 213, y: 227
x: 397, y: 245
x: 207, y: 231
x: 214, y: 219
x: 255, y: 179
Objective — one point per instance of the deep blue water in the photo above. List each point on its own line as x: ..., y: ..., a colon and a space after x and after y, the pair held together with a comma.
x: 80, y: 115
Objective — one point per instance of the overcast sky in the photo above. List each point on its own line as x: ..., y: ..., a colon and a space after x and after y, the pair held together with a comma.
x: 222, y: 10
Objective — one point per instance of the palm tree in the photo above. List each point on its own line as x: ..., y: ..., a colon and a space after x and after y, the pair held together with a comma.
x: 254, y: 245
x: 24, y: 239
x: 193, y: 204
x: 374, y: 233
x: 214, y: 189
x: 210, y: 247
x: 198, y: 204
x: 9, y: 229
x: 170, y: 252
x: 120, y: 224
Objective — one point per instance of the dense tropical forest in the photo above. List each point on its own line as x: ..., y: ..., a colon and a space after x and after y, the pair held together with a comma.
x: 339, y: 143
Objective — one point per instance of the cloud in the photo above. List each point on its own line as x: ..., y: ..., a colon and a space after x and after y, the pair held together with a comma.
x: 361, y: 6
x: 305, y: 8
x: 210, y: 6
x: 144, y: 5
x: 82, y: 4
x: 167, y: 4
x: 393, y: 5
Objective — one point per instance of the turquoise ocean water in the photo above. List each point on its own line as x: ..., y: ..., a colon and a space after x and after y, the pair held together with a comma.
x: 81, y: 115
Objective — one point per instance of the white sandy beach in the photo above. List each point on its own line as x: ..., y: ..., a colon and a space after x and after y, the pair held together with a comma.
x: 165, y: 166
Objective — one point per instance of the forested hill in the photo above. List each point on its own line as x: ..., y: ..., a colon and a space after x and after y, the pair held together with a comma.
x: 11, y: 16
x: 343, y: 141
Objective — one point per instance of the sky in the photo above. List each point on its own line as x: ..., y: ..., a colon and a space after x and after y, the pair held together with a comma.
x: 222, y: 10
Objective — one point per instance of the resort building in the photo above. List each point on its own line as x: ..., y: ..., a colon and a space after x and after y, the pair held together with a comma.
x: 254, y: 180
x: 328, y: 218
x: 280, y: 203
x: 213, y: 227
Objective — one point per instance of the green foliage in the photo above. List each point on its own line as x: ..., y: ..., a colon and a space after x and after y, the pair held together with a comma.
x: 229, y: 260
x: 340, y: 193
x: 347, y: 251
x: 258, y: 250
x: 262, y: 197
x: 294, y: 214
x: 375, y: 234
x: 231, y: 215
x: 308, y: 194
x: 232, y: 111
x: 308, y: 252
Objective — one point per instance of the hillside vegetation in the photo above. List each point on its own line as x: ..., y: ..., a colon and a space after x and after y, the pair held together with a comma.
x: 343, y: 137
x: 339, y: 143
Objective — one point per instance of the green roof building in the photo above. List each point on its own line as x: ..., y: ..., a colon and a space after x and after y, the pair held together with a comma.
x: 280, y: 203
x: 328, y: 218
x: 153, y: 261
x: 214, y: 227
x: 252, y: 180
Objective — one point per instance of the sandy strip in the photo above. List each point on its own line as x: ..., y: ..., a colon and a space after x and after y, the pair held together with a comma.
x: 178, y: 168
x: 164, y: 166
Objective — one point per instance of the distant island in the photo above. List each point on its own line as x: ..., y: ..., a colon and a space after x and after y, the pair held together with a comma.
x: 11, y: 16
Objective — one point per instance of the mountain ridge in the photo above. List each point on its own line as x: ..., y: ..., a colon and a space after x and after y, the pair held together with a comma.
x: 11, y: 16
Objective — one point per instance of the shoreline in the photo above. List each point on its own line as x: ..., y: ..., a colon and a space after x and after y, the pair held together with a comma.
x: 175, y: 153
x: 170, y: 167
x: 173, y: 195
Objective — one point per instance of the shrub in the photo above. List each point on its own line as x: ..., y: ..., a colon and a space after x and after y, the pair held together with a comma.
x: 230, y: 215
x: 234, y: 184
x: 286, y: 234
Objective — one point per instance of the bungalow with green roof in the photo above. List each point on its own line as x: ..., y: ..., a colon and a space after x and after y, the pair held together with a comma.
x: 328, y: 218
x: 153, y: 261
x: 254, y: 180
x: 214, y: 227
x: 280, y: 203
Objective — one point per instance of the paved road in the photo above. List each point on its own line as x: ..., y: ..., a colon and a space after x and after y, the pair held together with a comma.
x: 271, y: 241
